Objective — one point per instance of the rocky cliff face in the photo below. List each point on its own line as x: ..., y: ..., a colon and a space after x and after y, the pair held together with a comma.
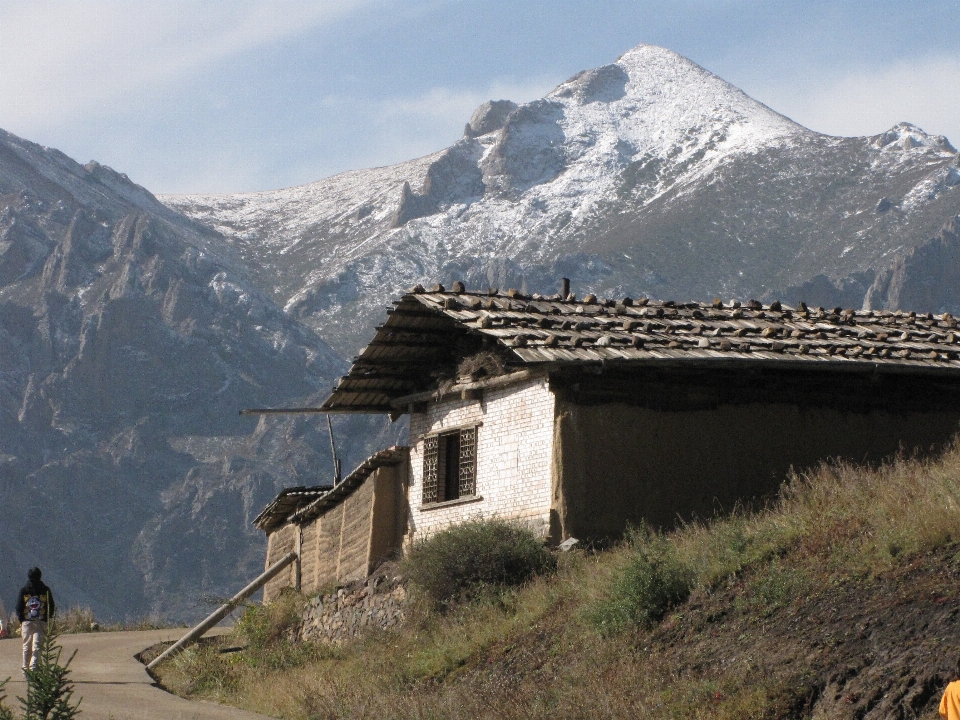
x: 647, y: 176
x: 129, y: 339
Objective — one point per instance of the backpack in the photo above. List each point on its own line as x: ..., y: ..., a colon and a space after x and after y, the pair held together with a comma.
x: 35, y: 607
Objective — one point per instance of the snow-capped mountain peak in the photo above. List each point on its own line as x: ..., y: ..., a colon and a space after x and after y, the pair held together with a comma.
x: 650, y: 105
x: 659, y: 96
x: 648, y: 175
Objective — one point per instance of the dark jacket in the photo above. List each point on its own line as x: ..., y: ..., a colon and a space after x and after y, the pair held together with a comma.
x: 35, y: 602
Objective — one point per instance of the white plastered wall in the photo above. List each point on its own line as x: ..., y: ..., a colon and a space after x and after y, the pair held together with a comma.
x: 514, y: 457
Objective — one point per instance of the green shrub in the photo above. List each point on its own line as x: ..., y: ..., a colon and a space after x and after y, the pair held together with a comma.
x: 263, y: 625
x: 270, y: 634
x: 653, y: 580
x: 470, y: 560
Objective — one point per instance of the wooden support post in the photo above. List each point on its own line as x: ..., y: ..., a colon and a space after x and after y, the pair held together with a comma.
x: 224, y: 610
x: 296, y: 563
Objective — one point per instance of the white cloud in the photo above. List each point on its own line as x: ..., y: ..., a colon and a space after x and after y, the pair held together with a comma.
x: 414, y: 126
x: 923, y: 91
x: 447, y: 104
x: 61, y: 60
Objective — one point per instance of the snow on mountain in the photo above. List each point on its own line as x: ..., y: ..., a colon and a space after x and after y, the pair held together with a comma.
x: 650, y: 175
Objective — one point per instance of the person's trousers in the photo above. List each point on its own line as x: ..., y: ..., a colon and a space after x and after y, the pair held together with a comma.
x: 33, y: 632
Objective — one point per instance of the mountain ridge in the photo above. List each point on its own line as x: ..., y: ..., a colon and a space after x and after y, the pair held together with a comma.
x: 648, y: 176
x: 130, y: 336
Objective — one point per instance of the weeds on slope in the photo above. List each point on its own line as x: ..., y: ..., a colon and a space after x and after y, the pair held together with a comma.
x: 836, y: 521
x: 847, y: 519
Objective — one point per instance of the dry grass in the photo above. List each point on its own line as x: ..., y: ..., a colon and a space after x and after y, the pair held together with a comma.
x: 858, y: 520
x: 536, y: 652
x: 483, y: 364
x: 80, y: 619
x: 77, y: 620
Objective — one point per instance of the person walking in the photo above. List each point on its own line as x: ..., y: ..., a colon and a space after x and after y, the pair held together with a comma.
x: 35, y: 606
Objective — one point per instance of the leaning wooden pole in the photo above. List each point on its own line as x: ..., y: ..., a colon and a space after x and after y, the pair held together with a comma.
x: 224, y: 610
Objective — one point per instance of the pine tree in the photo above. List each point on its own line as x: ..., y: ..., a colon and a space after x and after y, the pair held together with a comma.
x: 49, y: 693
x: 5, y: 713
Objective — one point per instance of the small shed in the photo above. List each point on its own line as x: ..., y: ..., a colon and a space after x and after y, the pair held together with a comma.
x: 340, y: 533
x: 579, y: 417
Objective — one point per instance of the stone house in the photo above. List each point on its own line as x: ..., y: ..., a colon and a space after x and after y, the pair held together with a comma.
x: 578, y: 417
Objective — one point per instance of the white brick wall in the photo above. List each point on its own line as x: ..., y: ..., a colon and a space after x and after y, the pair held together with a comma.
x: 514, y: 456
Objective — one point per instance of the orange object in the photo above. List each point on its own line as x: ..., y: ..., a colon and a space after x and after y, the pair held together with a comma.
x: 950, y: 703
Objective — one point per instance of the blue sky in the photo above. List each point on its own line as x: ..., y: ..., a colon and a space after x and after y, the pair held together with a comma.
x: 190, y: 96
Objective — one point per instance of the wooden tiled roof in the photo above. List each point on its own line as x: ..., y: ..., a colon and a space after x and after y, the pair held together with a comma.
x: 429, y: 328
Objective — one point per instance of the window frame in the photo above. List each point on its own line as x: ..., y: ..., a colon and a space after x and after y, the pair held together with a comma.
x: 439, y: 480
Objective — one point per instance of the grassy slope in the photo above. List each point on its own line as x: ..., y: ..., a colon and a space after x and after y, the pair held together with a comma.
x: 840, y: 601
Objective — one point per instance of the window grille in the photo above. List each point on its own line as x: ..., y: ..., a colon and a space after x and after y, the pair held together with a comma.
x: 450, y: 465
x: 431, y: 452
x: 468, y: 461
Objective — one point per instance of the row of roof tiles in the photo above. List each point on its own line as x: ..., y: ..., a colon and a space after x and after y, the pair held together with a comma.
x: 540, y: 329
x: 402, y: 358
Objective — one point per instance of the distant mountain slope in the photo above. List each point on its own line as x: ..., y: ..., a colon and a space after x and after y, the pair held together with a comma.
x: 129, y: 338
x: 650, y: 175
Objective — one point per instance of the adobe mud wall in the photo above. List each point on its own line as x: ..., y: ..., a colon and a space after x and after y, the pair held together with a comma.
x: 681, y: 451
x: 346, y: 542
x: 279, y: 543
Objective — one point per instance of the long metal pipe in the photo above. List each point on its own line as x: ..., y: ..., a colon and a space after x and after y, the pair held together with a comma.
x: 223, y: 610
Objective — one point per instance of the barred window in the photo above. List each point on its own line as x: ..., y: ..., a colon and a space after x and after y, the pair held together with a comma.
x: 450, y: 465
x: 431, y: 446
x: 467, y: 469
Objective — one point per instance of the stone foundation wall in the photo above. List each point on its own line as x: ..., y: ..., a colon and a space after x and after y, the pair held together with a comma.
x: 351, y: 610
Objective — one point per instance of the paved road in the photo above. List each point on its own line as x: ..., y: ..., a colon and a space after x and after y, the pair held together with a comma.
x: 112, y: 683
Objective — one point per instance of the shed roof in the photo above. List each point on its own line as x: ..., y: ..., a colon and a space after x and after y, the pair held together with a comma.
x: 299, y: 505
x: 427, y: 329
x: 286, y: 503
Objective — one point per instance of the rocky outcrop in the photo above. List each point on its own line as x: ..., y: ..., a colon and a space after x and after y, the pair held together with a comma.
x: 528, y: 150
x: 820, y: 291
x: 410, y: 206
x: 603, y: 84
x: 489, y: 117
x: 454, y: 177
x: 926, y: 278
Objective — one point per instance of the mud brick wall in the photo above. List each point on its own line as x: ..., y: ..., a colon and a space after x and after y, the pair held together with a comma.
x: 347, y: 541
x: 621, y: 464
x: 356, y: 516
x: 514, y: 457
x: 279, y: 543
